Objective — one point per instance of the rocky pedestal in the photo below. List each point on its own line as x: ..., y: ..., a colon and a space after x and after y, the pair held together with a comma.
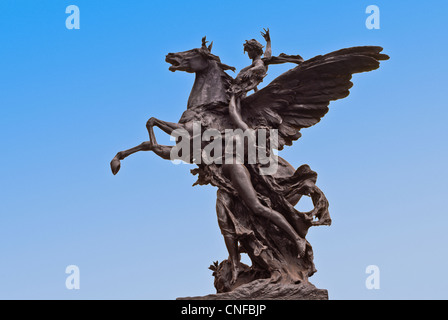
x: 264, y: 289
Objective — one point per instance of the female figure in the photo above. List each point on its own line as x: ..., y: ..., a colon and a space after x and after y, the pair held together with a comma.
x: 236, y: 172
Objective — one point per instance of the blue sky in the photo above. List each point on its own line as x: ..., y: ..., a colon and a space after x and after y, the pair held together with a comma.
x: 71, y: 99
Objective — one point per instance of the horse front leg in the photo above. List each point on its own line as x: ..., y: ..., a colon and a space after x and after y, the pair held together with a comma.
x: 162, y: 151
x: 167, y: 127
x: 115, y: 164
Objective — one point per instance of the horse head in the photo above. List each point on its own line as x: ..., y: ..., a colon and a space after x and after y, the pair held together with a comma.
x: 191, y: 61
x: 211, y: 82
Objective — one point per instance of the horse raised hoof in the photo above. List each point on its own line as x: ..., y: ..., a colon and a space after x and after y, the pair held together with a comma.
x: 115, y: 165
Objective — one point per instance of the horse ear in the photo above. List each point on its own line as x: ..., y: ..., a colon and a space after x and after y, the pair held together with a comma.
x: 210, y: 46
x: 204, y: 42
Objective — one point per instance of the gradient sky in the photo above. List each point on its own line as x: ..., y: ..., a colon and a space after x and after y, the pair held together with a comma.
x: 71, y: 99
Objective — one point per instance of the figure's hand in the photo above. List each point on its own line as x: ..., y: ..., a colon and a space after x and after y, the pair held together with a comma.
x: 266, y: 35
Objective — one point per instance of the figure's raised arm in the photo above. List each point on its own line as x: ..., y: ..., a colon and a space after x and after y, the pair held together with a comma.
x: 267, y: 37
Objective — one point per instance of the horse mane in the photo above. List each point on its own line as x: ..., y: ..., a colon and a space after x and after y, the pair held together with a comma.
x: 211, y: 87
x: 206, y: 53
x: 227, y: 80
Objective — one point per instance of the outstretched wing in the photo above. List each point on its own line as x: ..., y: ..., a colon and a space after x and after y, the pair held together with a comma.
x: 299, y: 98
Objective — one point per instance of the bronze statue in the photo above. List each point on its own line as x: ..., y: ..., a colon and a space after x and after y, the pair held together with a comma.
x: 255, y: 209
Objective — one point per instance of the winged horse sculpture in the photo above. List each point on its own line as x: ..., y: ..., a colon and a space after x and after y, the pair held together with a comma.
x: 255, y: 211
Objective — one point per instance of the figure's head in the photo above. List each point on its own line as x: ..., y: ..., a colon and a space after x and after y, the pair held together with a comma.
x: 253, y: 48
x: 194, y: 60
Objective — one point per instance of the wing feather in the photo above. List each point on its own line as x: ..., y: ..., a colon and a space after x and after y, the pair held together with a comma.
x: 300, y: 97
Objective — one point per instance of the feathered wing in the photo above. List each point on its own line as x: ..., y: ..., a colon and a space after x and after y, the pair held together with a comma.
x: 299, y: 98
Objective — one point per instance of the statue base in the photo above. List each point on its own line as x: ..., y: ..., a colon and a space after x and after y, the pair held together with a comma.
x: 264, y: 289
